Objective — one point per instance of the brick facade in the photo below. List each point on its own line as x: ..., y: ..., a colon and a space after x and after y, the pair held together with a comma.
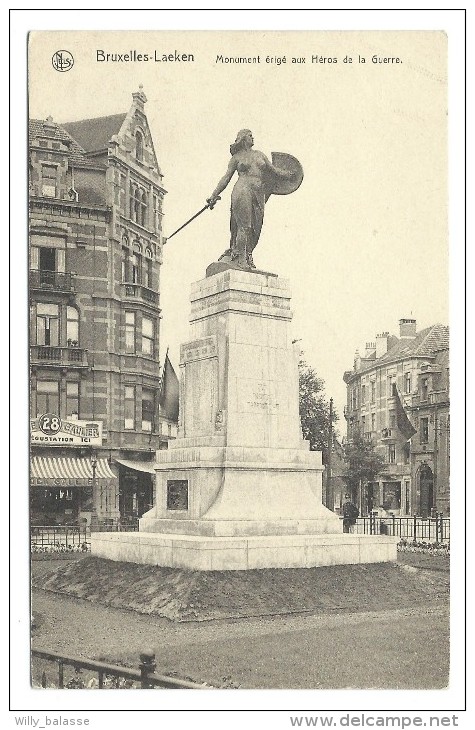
x: 409, y: 372
x: 96, y: 198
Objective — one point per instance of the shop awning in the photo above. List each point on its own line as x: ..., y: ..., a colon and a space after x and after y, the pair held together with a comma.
x: 44, y: 468
x: 145, y: 466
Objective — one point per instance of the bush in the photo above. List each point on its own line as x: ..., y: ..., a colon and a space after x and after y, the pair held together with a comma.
x: 429, y: 548
x: 60, y: 547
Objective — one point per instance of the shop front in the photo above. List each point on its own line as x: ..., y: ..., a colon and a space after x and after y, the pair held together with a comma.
x: 136, y: 488
x: 70, y: 490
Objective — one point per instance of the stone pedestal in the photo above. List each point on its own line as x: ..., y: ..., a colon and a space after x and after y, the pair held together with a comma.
x: 239, y: 488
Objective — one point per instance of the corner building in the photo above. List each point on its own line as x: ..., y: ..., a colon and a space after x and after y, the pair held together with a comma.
x: 398, y: 396
x: 95, y: 250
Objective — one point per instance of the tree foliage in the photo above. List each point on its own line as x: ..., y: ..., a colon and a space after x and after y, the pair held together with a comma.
x: 363, y: 463
x: 314, y: 409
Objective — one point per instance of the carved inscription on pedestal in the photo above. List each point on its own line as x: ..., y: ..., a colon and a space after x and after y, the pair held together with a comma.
x: 198, y: 349
x: 200, y: 386
x: 257, y: 397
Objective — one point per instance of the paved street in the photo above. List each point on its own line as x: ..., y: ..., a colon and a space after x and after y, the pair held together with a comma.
x: 389, y: 649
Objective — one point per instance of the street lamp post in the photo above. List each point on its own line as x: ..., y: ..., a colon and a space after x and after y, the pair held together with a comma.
x: 94, y: 519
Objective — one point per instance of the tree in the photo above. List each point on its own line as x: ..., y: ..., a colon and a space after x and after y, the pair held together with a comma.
x: 363, y: 464
x: 314, y: 409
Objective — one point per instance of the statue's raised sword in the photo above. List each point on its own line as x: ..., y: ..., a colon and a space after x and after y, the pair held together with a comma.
x: 208, y: 205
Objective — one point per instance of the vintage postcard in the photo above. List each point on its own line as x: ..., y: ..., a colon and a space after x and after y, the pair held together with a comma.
x: 240, y: 444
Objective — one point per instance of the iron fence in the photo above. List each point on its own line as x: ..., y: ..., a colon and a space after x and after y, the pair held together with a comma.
x: 414, y: 529
x: 144, y: 677
x: 64, y: 538
x: 73, y: 536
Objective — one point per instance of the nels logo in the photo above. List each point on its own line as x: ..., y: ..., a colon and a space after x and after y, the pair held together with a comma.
x: 62, y: 61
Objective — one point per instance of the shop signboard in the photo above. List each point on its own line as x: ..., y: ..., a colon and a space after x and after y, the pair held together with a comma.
x: 51, y: 430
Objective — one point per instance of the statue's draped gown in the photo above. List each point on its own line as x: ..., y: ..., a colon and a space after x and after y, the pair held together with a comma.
x: 248, y: 200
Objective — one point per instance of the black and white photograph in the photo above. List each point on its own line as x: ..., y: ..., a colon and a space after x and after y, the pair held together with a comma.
x: 242, y: 472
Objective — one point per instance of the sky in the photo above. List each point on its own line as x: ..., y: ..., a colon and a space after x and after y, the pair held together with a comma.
x: 363, y: 242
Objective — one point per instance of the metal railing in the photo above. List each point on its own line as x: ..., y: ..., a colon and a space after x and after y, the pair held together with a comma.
x: 414, y: 529
x: 42, y: 536
x: 144, y: 677
x: 64, y: 538
x: 141, y: 292
x: 52, y: 280
x: 55, y: 355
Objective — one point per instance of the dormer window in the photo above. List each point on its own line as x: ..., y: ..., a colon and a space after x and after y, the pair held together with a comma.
x: 48, y: 181
x: 139, y: 146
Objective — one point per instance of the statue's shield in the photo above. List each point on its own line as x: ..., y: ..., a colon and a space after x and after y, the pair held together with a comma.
x: 283, y: 186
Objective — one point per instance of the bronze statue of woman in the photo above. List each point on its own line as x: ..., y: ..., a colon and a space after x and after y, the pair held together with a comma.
x: 258, y: 179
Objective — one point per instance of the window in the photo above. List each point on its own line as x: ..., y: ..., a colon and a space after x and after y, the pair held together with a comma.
x: 373, y: 422
x: 124, y: 264
x: 156, y: 211
x: 148, y: 268
x: 147, y: 336
x: 139, y: 145
x: 424, y: 430
x: 391, y: 386
x: 407, y: 383
x: 135, y: 268
x: 392, y: 454
x: 391, y: 495
x: 72, y: 400
x: 130, y: 332
x: 363, y: 393
x: 46, y: 263
x: 363, y: 424
x: 143, y: 209
x: 424, y: 388
x: 373, y: 391
x: 47, y: 397
x: 392, y: 419
x: 47, y: 324
x: 129, y: 407
x: 72, y: 326
x: 48, y: 178
x: 148, y: 409
x: 132, y: 201
x: 406, y: 452
x: 138, y: 205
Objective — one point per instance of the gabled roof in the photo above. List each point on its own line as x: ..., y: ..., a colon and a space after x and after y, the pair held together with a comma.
x: 95, y: 134
x: 40, y: 128
x: 426, y: 342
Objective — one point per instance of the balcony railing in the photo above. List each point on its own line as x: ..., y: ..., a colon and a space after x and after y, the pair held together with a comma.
x: 439, y: 396
x: 62, y: 356
x: 388, y: 433
x: 52, y: 280
x: 137, y: 291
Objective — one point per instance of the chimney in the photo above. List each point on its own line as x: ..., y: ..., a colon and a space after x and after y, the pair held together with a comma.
x: 357, y: 360
x: 382, y: 344
x: 369, y: 349
x: 139, y: 98
x: 407, y: 329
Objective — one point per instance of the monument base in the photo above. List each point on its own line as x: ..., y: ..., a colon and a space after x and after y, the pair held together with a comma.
x: 197, y: 552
